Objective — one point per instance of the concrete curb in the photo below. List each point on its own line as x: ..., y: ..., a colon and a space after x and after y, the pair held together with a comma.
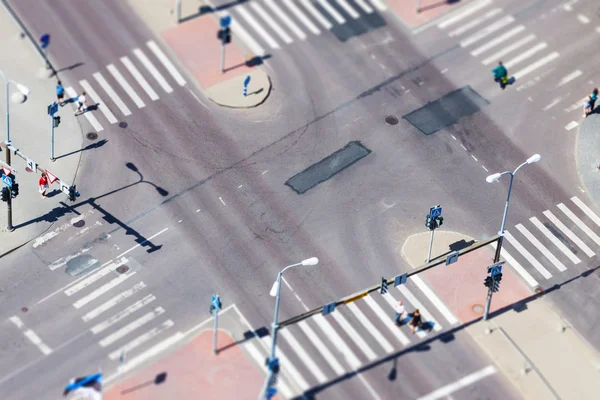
x: 227, y: 94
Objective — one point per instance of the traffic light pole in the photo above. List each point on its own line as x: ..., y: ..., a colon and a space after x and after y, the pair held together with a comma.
x: 52, y: 138
x: 9, y: 225
x: 223, y: 54
x: 430, y: 245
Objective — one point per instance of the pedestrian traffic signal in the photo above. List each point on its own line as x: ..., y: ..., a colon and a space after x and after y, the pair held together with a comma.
x: 56, y: 121
x: 224, y: 35
x: 384, y: 288
x: 14, y: 190
x: 5, y: 193
x: 429, y: 223
x: 496, y: 282
x: 488, y: 282
x: 439, y: 221
x: 73, y: 193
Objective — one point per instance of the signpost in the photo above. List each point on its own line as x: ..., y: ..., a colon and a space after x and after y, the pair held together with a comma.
x: 52, y: 109
x: 215, y: 306
x: 7, y: 181
x: 492, y: 282
x: 225, y: 36
x: 433, y: 220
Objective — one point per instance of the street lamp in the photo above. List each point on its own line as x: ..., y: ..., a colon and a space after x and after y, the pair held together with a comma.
x: 275, y: 292
x: 491, y: 179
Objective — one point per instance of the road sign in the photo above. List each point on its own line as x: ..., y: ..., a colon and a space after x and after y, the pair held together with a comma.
x: 225, y: 21
x: 495, y: 269
x: 6, y: 170
x: 44, y: 40
x: 328, y: 308
x: 216, y: 302
x: 31, y: 165
x: 52, y: 108
x: 6, y: 180
x: 400, y: 279
x: 64, y: 187
x: 52, y: 178
x: 452, y: 258
x: 436, y: 211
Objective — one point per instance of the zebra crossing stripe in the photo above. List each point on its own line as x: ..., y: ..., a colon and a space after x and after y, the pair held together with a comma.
x: 300, y: 15
x: 139, y: 78
x: 166, y: 62
x: 260, y: 361
x: 337, y: 341
x: 516, y: 266
x: 282, y: 16
x: 274, y: 25
x: 435, y: 300
x: 303, y: 355
x: 387, y: 321
x: 475, y: 22
x: 102, y: 289
x: 248, y: 40
x: 379, y: 4
x: 257, y: 27
x: 358, y: 340
x: 412, y: 299
x: 110, y: 339
x: 365, y: 6
x: 113, y: 302
x: 586, y: 210
x: 573, y: 75
x: 525, y: 54
x: 289, y: 368
x: 125, y: 85
x: 568, y: 233
x: 561, y: 246
x: 316, y: 14
x: 579, y: 223
x: 392, y: 303
x: 90, y: 117
x: 543, y: 249
x: 323, y: 350
x: 539, y: 63
x: 103, y: 107
x: 387, y: 346
x: 532, y: 260
x: 348, y: 8
x: 488, y: 30
x: 332, y: 11
x: 111, y: 93
x: 507, y: 49
x: 463, y: 13
x: 153, y: 71
x: 141, y: 339
x: 494, y: 42
x: 576, y: 106
x: 122, y: 314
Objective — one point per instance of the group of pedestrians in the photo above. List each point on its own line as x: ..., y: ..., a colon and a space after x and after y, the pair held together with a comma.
x: 60, y: 96
x: 415, y: 321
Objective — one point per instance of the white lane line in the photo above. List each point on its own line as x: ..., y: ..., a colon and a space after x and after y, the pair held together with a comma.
x: 379, y: 4
x: 561, y: 246
x: 257, y: 26
x: 122, y: 314
x: 93, y: 278
x: 332, y: 11
x: 474, y: 158
x: 113, y: 337
x: 139, y: 78
x: 125, y: 85
x: 525, y: 54
x: 39, y: 241
x: 447, y: 390
x: 102, y: 106
x: 323, y: 350
x: 573, y: 75
x: 387, y: 320
x: 412, y: 299
x: 35, y: 339
x: 101, y: 290
x: 141, y: 339
x: 289, y: 369
x: 379, y: 338
x: 486, y: 170
x: 300, y: 15
x: 553, y: 103
x: 259, y: 359
x: 577, y: 105
x: 111, y: 93
x: 488, y: 30
x: 17, y: 321
x: 571, y: 125
x: 528, y: 256
x: 475, y: 22
x: 507, y: 49
x: 598, y: 29
x: 316, y: 14
x: 586, y: 210
x: 539, y: 63
x: 543, y: 249
x: 88, y: 114
x: 303, y: 355
x: 463, y: 13
x: 142, y: 243
x: 516, y: 266
x: 153, y: 70
x: 166, y: 62
x: 392, y: 303
x: 113, y: 302
x: 365, y: 6
x: 349, y: 10
x: 583, y: 19
x: 282, y: 16
x: 496, y: 41
x: 337, y: 341
x: 435, y: 300
x: 356, y: 338
x: 569, y: 233
x: 274, y: 25
x: 579, y: 223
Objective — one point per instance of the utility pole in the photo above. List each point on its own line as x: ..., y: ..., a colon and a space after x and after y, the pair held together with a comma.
x: 54, y: 122
x: 178, y: 10
x: 492, y: 282
x: 215, y: 306
x: 9, y: 225
x: 433, y: 220
x: 224, y: 35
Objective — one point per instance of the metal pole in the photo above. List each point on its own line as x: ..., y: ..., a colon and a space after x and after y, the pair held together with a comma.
x: 52, y: 140
x: 275, y: 317
x: 488, y: 302
x: 178, y: 10
x: 215, y: 327
x: 9, y: 225
x: 418, y: 6
x: 430, y: 245
x: 223, y: 54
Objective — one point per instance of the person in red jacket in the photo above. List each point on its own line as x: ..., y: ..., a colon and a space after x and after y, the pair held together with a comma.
x: 43, y: 183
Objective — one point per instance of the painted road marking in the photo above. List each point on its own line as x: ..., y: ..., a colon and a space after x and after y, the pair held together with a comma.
x: 41, y: 240
x: 103, y: 107
x: 412, y: 299
x: 494, y: 42
x: 300, y: 15
x: 447, y: 390
x: 525, y: 54
x: 579, y: 223
x: 379, y: 4
x: 387, y: 321
x: 516, y: 266
x: 577, y: 105
x: 243, y: 34
x: 114, y: 301
x: 282, y: 16
x: 90, y: 117
x: 142, y: 358
x: 337, y: 341
x: 290, y: 369
x: 264, y: 15
x: 463, y: 13
x: 573, y: 75
x: 358, y: 340
x: 435, y: 300
x: 111, y: 93
x: 323, y: 350
x: 125, y: 85
x: 101, y: 290
x: 571, y: 125
x: 332, y: 11
x: 122, y: 314
x: 153, y: 71
x: 349, y: 10
x: 583, y: 19
x: 553, y: 103
x: 166, y: 62
x: 488, y: 30
x: 568, y: 233
x: 365, y: 6
x: 17, y: 321
x: 113, y: 337
x: 475, y: 22
x: 316, y: 14
x: 141, y: 339
x: 555, y: 240
x: 260, y: 360
x: 257, y: 26
x: 142, y: 243
x: 93, y: 278
x: 31, y: 335
x: 303, y: 355
x: 586, y: 210
x: 392, y: 303
x: 539, y: 63
x: 139, y: 78
x: 532, y: 260
x: 383, y: 342
x: 543, y: 249
x: 507, y: 49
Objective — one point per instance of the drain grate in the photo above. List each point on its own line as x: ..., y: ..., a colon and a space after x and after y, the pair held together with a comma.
x: 391, y: 120
x: 92, y: 136
x: 24, y: 309
x: 122, y: 269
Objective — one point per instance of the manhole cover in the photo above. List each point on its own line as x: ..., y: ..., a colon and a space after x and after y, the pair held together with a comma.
x: 478, y: 309
x: 122, y: 269
x: 391, y: 120
x: 24, y: 309
x: 92, y: 136
x: 79, y: 223
x: 123, y: 125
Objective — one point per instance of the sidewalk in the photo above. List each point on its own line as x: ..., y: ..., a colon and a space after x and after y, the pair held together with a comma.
x: 30, y: 133
x: 526, y: 339
x: 194, y: 42
x: 588, y: 156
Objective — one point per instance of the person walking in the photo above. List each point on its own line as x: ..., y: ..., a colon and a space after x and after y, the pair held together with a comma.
x: 60, y: 93
x: 400, y: 312
x: 81, y: 107
x: 415, y: 322
x: 590, y: 103
x: 500, y: 75
x: 43, y: 184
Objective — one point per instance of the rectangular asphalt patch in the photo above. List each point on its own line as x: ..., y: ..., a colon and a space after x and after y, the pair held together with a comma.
x: 446, y: 110
x: 327, y: 167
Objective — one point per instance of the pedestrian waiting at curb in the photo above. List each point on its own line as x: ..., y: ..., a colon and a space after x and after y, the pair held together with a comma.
x: 400, y: 312
x: 43, y: 184
x: 416, y: 321
x: 81, y: 106
x: 590, y: 103
x: 500, y: 75
x: 60, y: 93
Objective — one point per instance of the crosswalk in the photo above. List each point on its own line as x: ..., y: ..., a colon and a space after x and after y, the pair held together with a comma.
x: 323, y: 348
x: 137, y: 77
x: 268, y: 24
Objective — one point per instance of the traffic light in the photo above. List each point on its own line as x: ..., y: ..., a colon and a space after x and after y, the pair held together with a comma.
x: 5, y: 193
x: 73, y: 193
x: 384, y: 288
x: 439, y: 221
x: 56, y: 121
x: 496, y: 282
x: 14, y: 190
x: 488, y: 281
x: 428, y: 222
x: 224, y: 35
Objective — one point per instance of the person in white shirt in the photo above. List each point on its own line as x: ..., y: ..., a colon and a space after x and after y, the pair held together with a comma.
x: 81, y: 107
x: 400, y: 312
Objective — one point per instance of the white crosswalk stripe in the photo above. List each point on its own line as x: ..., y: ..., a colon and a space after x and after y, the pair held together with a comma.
x: 379, y: 4
x: 90, y: 117
x: 525, y: 54
x: 102, y: 326
x: 435, y: 300
x: 475, y: 22
x: 274, y: 25
x: 289, y: 369
x: 496, y: 41
x: 488, y: 30
x: 546, y: 232
x: 139, y: 78
x: 379, y: 338
x: 412, y: 299
x: 166, y: 62
x: 259, y: 359
x: 516, y: 266
x: 528, y: 256
x: 539, y: 63
x: 586, y: 210
x: 337, y: 341
x: 387, y: 321
x: 543, y: 249
x: 508, y: 49
x: 573, y: 75
x: 239, y: 31
x: 356, y: 338
x: 152, y: 70
x: 103, y: 107
x: 138, y: 341
x: 113, y: 302
x: 102, y: 289
x: 286, y: 20
x: 332, y: 11
x: 576, y: 106
x: 574, y: 238
x: 464, y: 13
x: 95, y: 276
x: 303, y: 355
x: 111, y: 93
x: 316, y: 14
x: 257, y: 27
x: 348, y: 8
x: 323, y: 350
x: 125, y: 85
x: 392, y: 303
x: 579, y: 223
x: 365, y: 6
x: 124, y: 331
x: 300, y: 15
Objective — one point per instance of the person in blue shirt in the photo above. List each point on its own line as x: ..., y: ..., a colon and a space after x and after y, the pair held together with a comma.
x: 590, y: 103
x: 500, y: 74
x: 60, y: 93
